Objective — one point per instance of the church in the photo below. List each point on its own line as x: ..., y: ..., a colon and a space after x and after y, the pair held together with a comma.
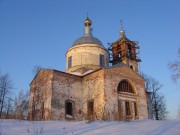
x: 99, y: 83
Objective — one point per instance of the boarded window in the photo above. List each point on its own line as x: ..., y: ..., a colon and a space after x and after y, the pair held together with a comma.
x: 102, y: 60
x: 124, y: 86
x: 70, y: 62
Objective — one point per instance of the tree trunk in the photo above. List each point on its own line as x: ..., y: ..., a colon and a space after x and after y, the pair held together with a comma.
x: 156, y: 111
x: 2, y: 105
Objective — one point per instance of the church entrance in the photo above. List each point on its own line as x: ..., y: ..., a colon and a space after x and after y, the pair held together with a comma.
x: 127, y: 101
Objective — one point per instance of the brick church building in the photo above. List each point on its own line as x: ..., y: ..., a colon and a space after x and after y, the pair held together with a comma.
x: 99, y: 83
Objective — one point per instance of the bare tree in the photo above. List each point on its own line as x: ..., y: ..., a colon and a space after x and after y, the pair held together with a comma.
x: 161, y: 112
x: 21, y: 105
x: 175, y: 68
x: 5, y: 89
x: 157, y: 101
x: 9, y: 108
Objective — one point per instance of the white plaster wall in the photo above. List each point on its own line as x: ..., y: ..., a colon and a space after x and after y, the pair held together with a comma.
x: 87, y: 55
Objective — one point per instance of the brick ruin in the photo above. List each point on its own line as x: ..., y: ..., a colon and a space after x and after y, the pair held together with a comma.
x: 90, y: 89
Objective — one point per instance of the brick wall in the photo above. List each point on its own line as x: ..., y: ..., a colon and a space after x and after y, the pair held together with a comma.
x: 54, y: 88
x: 66, y: 87
x: 40, y: 96
x: 113, y: 76
x: 93, y: 89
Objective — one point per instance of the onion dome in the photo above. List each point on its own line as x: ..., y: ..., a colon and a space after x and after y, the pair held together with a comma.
x: 87, y: 22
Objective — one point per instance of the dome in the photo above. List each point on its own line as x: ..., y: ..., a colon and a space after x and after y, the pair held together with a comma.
x: 87, y: 38
x: 86, y: 53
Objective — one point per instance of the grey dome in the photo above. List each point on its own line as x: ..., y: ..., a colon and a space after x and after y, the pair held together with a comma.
x: 87, y: 40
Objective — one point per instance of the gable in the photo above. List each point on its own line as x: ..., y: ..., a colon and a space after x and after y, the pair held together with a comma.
x: 42, y: 76
x: 123, y: 71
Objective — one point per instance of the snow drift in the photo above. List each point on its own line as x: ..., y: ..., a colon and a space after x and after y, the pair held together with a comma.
x: 139, y: 127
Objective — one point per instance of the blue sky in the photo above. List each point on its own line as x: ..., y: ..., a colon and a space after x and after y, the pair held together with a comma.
x: 39, y: 32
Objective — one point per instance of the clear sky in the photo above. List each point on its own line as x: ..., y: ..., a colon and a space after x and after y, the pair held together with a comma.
x: 39, y: 32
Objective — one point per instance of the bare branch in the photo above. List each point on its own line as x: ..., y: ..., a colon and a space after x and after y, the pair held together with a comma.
x: 36, y: 69
x: 156, y: 101
x: 5, y: 89
x: 175, y: 68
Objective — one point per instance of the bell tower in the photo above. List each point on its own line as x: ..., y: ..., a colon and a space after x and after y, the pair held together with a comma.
x: 124, y: 51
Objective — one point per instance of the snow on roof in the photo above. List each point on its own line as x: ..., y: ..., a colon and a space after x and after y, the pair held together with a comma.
x: 79, y: 74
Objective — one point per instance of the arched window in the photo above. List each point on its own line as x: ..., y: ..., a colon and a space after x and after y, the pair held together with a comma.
x: 124, y: 86
x: 132, y: 67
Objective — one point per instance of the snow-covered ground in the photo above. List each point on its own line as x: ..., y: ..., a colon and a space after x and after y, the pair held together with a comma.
x: 144, y: 127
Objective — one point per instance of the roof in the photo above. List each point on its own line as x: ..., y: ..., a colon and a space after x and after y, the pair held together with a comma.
x: 71, y: 74
x: 87, y: 38
x: 53, y: 70
x: 88, y: 72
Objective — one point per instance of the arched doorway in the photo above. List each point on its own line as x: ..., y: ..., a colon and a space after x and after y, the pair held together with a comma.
x: 127, y: 101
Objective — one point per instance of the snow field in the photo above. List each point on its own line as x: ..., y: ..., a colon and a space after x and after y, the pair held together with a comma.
x: 139, y: 127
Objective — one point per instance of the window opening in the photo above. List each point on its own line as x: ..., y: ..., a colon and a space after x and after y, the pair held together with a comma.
x: 90, y: 108
x: 135, y: 108
x: 102, y: 61
x: 70, y: 62
x: 127, y: 107
x: 124, y: 86
x: 132, y: 67
x: 69, y: 108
